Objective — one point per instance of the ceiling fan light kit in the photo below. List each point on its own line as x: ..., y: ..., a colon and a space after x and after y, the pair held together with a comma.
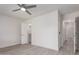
x: 23, y: 9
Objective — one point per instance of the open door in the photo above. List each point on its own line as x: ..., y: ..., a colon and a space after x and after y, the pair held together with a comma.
x: 25, y: 33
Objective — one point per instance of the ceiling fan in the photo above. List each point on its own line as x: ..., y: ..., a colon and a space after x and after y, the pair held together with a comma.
x: 24, y: 7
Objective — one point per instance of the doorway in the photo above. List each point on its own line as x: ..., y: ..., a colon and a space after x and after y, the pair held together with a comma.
x: 68, y: 36
x: 29, y: 34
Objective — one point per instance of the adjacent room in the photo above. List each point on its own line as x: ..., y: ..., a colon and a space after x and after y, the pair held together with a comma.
x: 39, y: 29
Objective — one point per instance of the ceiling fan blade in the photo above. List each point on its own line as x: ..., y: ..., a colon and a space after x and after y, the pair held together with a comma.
x: 16, y: 10
x: 19, y: 5
x: 23, y: 4
x: 28, y: 7
x: 28, y: 12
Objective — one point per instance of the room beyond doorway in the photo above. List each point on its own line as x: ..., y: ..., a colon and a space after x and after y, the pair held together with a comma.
x: 29, y: 33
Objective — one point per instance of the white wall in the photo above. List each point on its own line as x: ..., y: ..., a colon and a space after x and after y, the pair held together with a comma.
x: 10, y: 31
x: 45, y: 30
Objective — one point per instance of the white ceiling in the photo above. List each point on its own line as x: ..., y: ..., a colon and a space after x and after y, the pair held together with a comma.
x: 40, y: 9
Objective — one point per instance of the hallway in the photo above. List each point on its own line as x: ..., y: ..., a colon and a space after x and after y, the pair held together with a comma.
x: 68, y: 47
